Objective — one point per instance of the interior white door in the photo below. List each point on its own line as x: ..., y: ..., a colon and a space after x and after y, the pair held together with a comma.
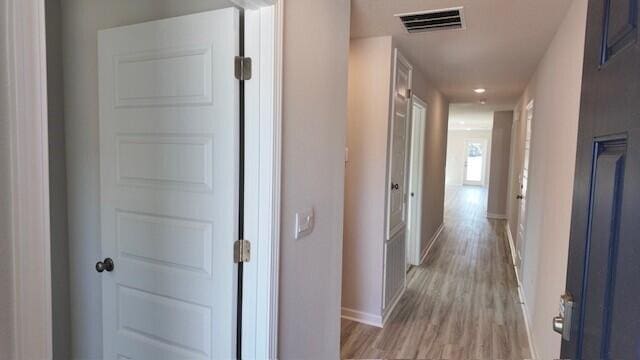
x: 418, y: 119
x: 397, y: 182
x: 169, y: 186
x: 475, y: 162
x: 524, y: 179
x: 398, y: 148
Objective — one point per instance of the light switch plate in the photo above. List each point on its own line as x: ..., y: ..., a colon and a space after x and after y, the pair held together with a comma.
x: 304, y: 223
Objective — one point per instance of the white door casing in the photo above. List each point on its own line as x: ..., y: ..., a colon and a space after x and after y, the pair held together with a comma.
x: 524, y: 179
x: 169, y: 186
x: 418, y: 122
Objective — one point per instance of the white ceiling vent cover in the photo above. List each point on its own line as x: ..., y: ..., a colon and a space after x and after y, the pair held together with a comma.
x: 431, y: 20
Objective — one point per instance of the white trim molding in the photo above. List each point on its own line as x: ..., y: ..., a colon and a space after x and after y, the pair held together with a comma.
x: 254, y: 4
x: 362, y: 317
x: 527, y: 325
x: 496, y: 216
x: 29, y: 167
x: 523, y: 304
x: 277, y: 172
x: 512, y: 247
x: 433, y: 240
x: 414, y: 246
x: 263, y: 43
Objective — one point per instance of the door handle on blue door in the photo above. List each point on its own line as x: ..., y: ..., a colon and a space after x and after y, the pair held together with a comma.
x: 562, y: 322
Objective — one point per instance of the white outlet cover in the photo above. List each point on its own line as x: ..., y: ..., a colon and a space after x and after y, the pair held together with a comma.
x: 304, y: 223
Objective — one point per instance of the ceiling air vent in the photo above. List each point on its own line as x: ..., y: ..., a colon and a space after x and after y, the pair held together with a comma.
x: 442, y: 19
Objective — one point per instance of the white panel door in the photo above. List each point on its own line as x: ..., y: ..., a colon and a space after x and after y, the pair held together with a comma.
x: 418, y: 122
x: 398, y: 147
x: 169, y: 186
x: 524, y: 180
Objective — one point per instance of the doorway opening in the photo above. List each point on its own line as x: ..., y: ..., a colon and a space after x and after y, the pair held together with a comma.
x: 475, y: 153
x: 169, y: 140
x: 469, y: 145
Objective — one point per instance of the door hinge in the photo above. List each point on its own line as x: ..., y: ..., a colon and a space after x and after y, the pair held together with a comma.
x: 241, y: 251
x: 243, y: 68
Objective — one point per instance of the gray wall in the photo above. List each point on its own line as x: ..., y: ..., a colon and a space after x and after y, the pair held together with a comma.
x: 6, y: 246
x: 57, y: 183
x: 499, y: 171
x: 316, y: 45
x: 370, y: 64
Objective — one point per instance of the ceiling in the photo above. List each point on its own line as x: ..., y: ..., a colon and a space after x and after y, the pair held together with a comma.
x: 473, y: 116
x: 499, y: 50
x: 470, y: 117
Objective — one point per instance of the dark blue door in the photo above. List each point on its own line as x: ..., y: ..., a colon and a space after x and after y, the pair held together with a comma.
x: 603, y: 274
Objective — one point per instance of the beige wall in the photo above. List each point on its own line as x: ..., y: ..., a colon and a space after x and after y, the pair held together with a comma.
x: 499, y: 171
x: 556, y: 90
x: 456, y: 153
x: 314, y: 136
x: 370, y: 66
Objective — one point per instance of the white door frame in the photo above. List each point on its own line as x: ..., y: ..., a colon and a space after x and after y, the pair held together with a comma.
x: 263, y: 131
x: 485, y: 159
x: 24, y: 112
x: 31, y: 332
x: 413, y: 247
x: 521, y: 225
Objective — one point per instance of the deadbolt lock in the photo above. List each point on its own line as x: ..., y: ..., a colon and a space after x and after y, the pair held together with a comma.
x: 562, y: 322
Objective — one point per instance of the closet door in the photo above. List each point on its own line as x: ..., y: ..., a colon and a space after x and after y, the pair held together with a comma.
x: 169, y: 143
x: 397, y: 179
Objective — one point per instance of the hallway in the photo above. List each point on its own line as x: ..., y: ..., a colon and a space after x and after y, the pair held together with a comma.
x: 461, y: 303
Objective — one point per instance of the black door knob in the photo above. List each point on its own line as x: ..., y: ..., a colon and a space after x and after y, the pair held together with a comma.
x: 107, y: 264
x: 519, y: 197
x: 394, y: 186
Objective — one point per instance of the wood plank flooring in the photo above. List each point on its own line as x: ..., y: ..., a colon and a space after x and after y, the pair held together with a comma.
x: 462, y: 303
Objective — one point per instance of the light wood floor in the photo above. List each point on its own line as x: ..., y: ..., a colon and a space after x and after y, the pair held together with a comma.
x: 462, y: 303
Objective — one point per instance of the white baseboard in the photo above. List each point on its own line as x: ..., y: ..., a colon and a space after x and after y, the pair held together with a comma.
x: 527, y: 325
x: 431, y: 242
x: 523, y: 304
x: 496, y: 216
x: 394, y: 302
x: 362, y: 317
x: 512, y: 245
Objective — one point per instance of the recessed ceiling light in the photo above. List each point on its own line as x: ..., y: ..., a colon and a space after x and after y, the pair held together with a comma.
x: 480, y: 90
x: 483, y: 102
